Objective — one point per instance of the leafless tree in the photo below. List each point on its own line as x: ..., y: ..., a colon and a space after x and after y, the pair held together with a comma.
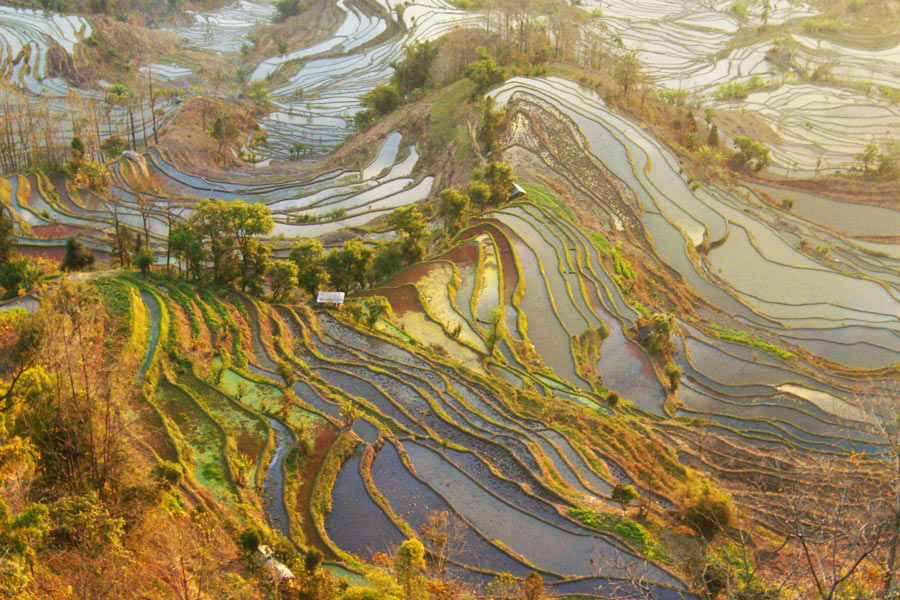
x: 445, y: 533
x: 833, y: 521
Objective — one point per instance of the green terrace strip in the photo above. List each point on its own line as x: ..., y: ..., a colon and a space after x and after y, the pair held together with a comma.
x: 621, y: 264
x: 743, y: 337
x: 634, y: 533
x: 545, y: 197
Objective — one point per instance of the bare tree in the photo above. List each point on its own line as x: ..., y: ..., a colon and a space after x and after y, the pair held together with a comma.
x: 121, y: 244
x: 832, y: 521
x: 88, y: 425
x: 172, y: 211
x: 626, y: 576
x: 445, y: 534
x: 189, y: 556
x: 837, y: 525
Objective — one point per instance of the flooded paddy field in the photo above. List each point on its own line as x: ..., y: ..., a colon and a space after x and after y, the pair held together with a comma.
x: 846, y: 314
x: 693, y: 48
x: 496, y: 387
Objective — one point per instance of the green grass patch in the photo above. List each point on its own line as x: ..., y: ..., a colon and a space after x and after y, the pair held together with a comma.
x: 601, y: 242
x: 447, y: 116
x: 205, y: 443
x: 116, y: 296
x: 622, y: 265
x: 742, y: 337
x: 247, y: 430
x: 635, y: 533
x: 738, y: 90
x: 544, y: 197
x: 822, y: 24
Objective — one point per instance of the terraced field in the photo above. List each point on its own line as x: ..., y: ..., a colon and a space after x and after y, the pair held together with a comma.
x: 26, y: 37
x: 685, y: 45
x: 226, y: 29
x: 861, y: 294
x: 316, y: 103
x: 508, y: 383
x: 41, y: 91
x: 843, y: 315
x: 695, y: 47
x: 818, y: 127
x: 449, y: 424
x: 319, y: 86
x: 48, y: 212
x: 429, y: 436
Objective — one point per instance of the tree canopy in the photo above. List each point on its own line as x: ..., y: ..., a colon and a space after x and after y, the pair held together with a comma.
x: 751, y: 155
x: 309, y: 256
x: 453, y: 208
x: 485, y: 71
x: 412, y: 73
x: 226, y: 235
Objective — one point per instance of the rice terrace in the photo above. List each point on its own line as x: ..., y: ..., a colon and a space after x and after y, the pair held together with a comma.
x: 450, y: 299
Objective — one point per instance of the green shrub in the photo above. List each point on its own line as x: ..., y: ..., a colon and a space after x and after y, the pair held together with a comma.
x: 708, y: 511
x: 167, y: 474
x: 637, y: 535
x: 822, y: 24
x: 742, y: 337
x: 77, y: 257
x: 628, y: 529
x: 213, y: 472
x: 485, y: 71
x: 612, y: 398
x: 20, y: 274
x: 251, y: 538
x: 624, y: 495
x: 288, y: 8
x: 144, y: 260
x: 623, y: 267
x: 674, y: 97
x: 738, y: 90
x: 113, y: 146
x: 356, y: 592
x: 751, y: 155
x: 739, y: 9
x: 659, y: 339
x: 674, y: 373
x: 311, y: 560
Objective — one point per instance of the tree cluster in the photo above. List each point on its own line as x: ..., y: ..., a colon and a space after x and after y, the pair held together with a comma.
x: 225, y: 235
x: 284, y: 9
x: 659, y: 328
x: 488, y: 188
x: 880, y: 160
x: 33, y: 134
x: 18, y: 273
x: 411, y: 76
x: 77, y: 256
x: 78, y: 506
x: 355, y: 265
x: 492, y: 123
x: 485, y: 71
x: 750, y: 155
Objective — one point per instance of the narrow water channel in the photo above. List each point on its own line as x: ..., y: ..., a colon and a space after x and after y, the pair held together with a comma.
x: 273, y: 486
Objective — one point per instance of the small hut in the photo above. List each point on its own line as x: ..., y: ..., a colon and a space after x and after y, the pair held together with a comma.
x: 516, y: 191
x: 330, y: 299
x: 277, y: 569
